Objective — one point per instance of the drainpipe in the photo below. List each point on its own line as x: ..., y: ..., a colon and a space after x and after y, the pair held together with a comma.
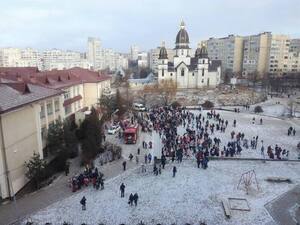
x: 5, y: 159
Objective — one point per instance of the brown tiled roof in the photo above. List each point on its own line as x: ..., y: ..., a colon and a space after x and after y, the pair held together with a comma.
x: 18, y: 70
x: 15, y: 95
x: 57, y: 79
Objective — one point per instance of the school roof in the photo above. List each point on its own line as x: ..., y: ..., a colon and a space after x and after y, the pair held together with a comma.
x: 14, y: 95
x: 56, y: 79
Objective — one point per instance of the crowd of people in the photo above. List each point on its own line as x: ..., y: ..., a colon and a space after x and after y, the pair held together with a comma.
x: 200, y: 140
x: 89, y: 176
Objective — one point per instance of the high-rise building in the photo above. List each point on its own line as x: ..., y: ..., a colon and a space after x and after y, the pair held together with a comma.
x: 94, y: 53
x: 293, y: 64
x: 142, y: 60
x: 229, y: 50
x: 134, y: 51
x: 279, y: 54
x: 295, y: 45
x: 256, y: 53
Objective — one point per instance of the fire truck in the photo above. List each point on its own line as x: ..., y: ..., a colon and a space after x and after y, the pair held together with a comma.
x: 131, y: 134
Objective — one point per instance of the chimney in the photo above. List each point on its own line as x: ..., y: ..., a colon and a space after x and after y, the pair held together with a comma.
x: 47, y: 80
x: 26, y: 89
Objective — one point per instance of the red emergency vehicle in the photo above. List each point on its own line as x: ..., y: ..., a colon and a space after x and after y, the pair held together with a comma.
x: 131, y: 134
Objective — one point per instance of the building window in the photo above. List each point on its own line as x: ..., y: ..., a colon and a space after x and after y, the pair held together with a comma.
x: 49, y: 108
x: 67, y: 94
x: 42, y: 113
x: 181, y: 51
x: 68, y: 109
x: 56, y: 105
x: 193, y: 74
x: 171, y: 74
x: 78, y: 90
x: 182, y: 72
x: 202, y: 81
x: 202, y: 72
x: 163, y: 73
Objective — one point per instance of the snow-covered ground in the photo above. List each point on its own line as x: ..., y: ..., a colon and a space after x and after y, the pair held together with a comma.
x: 193, y: 195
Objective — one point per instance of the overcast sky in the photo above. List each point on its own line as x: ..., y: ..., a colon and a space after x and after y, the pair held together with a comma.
x: 66, y: 24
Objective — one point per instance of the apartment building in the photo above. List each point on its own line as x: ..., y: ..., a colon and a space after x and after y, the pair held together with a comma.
x: 20, y: 105
x: 279, y: 54
x: 58, y: 59
x: 294, y: 45
x: 134, y: 51
x: 142, y: 60
x: 256, y: 53
x: 94, y: 53
x: 229, y: 50
x: 15, y: 57
x: 293, y: 65
x: 101, y: 58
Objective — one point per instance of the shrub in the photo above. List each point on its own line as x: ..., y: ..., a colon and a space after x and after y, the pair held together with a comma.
x: 208, y: 104
x: 258, y: 109
x: 175, y: 104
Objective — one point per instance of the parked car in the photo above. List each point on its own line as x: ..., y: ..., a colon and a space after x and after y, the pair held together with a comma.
x: 113, y: 129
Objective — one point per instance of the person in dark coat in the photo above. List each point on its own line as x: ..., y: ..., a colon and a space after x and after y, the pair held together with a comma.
x: 130, y: 201
x: 67, y: 168
x: 174, y: 171
x: 135, y: 198
x: 163, y: 161
x: 122, y: 189
x: 83, y: 203
x: 124, y: 165
x: 130, y: 157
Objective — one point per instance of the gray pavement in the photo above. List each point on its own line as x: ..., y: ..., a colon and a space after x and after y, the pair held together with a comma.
x: 285, y: 209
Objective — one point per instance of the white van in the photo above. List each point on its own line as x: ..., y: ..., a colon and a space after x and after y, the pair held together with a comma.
x: 139, y: 107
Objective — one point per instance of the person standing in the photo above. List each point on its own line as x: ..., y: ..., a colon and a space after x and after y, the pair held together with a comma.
x: 124, y: 165
x: 130, y: 157
x: 67, y: 168
x: 138, y: 151
x: 146, y: 158
x: 130, y: 201
x: 135, y: 198
x: 137, y: 159
x: 83, y: 203
x: 122, y: 189
x: 149, y: 157
x: 174, y: 171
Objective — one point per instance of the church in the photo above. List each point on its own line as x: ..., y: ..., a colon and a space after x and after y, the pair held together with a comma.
x: 186, y: 71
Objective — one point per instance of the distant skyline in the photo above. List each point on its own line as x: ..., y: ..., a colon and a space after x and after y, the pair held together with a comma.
x: 67, y: 24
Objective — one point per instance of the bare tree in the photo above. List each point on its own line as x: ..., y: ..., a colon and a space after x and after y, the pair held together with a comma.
x: 165, y: 90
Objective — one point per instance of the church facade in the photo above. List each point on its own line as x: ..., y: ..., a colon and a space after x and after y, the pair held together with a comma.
x: 185, y: 71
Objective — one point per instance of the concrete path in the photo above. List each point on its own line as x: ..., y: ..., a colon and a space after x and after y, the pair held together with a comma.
x: 285, y: 210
